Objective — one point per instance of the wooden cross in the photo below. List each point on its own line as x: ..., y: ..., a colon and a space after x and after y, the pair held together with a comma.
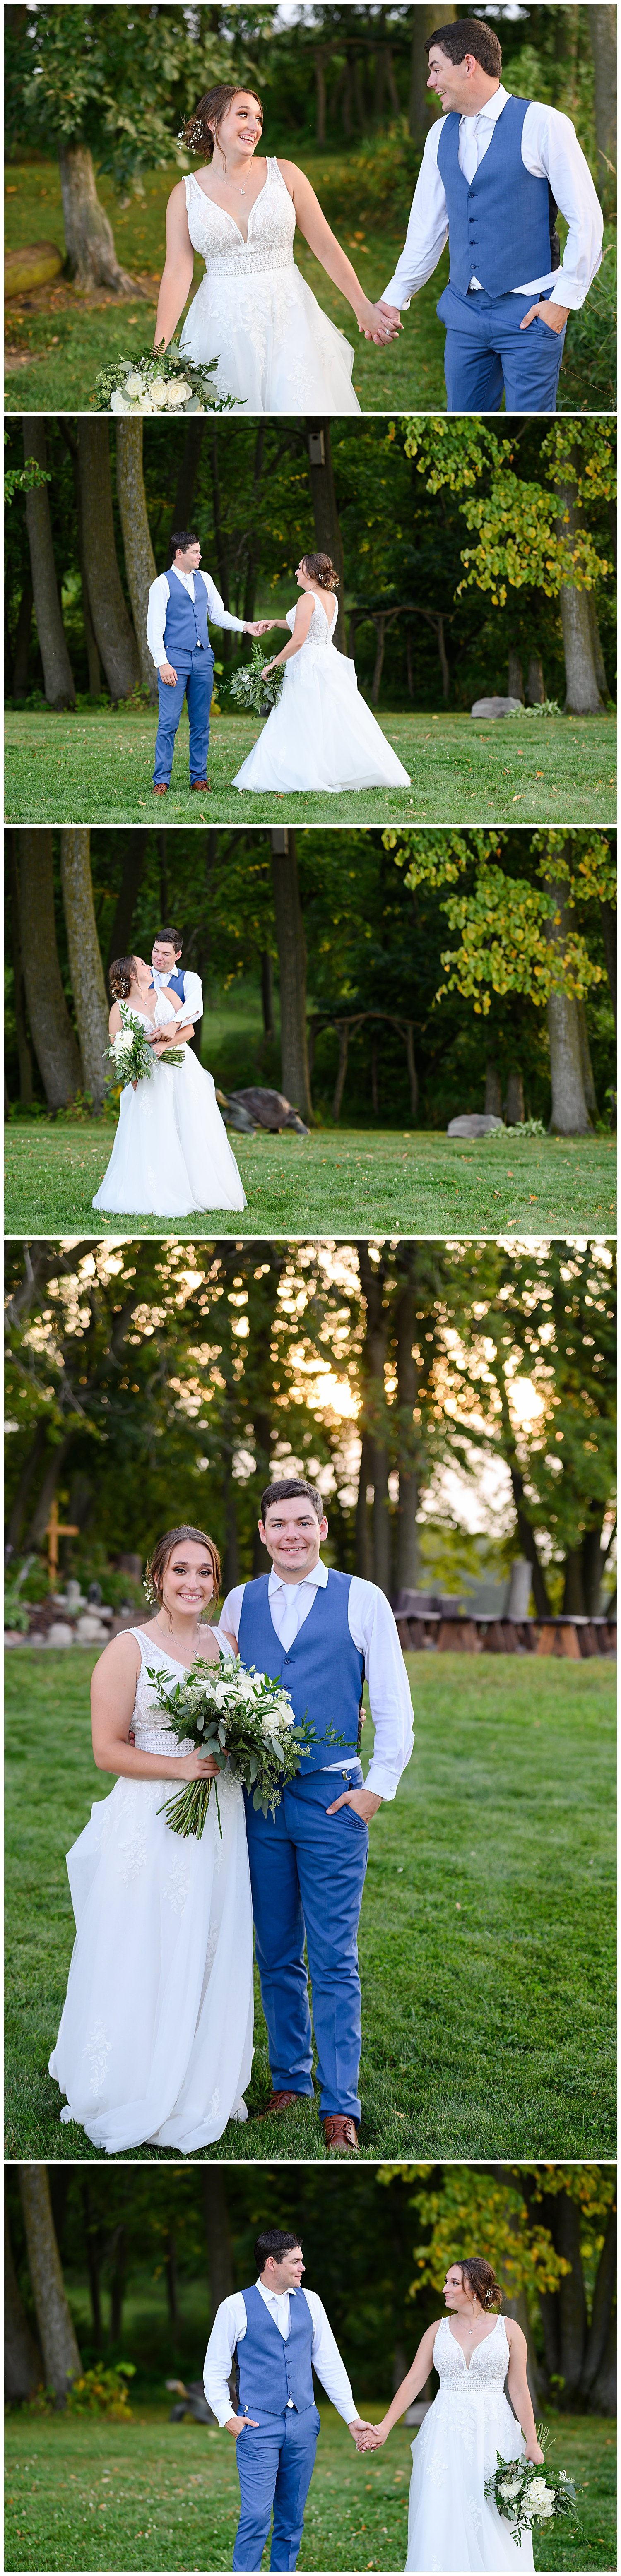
x: 57, y: 1529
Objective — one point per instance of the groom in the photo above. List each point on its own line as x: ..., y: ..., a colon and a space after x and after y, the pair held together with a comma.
x: 494, y: 173
x: 319, y: 1632
x: 169, y: 976
x: 282, y: 2334
x: 180, y: 603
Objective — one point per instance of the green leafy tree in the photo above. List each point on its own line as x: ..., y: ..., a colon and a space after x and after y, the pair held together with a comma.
x: 550, y: 2231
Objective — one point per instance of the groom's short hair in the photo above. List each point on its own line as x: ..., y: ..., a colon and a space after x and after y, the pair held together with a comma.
x: 469, y: 36
x: 275, y: 2241
x: 169, y: 939
x: 181, y: 539
x: 284, y: 1492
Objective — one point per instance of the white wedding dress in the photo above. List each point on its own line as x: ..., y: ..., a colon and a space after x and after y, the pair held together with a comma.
x: 171, y: 1154
x: 155, y: 2042
x: 320, y: 734
x: 450, y: 2526
x: 254, y: 312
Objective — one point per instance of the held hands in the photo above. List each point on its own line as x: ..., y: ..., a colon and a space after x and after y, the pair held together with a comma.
x: 364, y: 1801
x: 259, y: 625
x: 368, y: 2437
x: 235, y: 2424
x: 555, y: 315
x: 380, y: 323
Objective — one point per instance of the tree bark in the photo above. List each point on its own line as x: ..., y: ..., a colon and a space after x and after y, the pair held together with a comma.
x: 571, y: 2293
x: 23, y: 2371
x: 535, y: 685
x: 372, y: 1283
x: 118, y: 2251
x: 32, y: 1462
x: 328, y: 537
x: 598, y: 656
x: 218, y: 2234
x: 292, y: 968
x: 602, y: 23
x: 113, y: 629
x: 608, y: 919
x: 21, y: 648
x: 364, y: 1549
x: 515, y: 674
x: 267, y: 993
x: 58, y: 677
x: 87, y: 981
x: 570, y: 1116
x: 422, y: 109
x: 53, y: 1038
x: 132, y: 866
x: 40, y: 1517
x: 59, y: 2346
x: 90, y: 639
x: 514, y: 1106
x: 582, y: 693
x: 407, y: 1558
x: 140, y: 562
x: 89, y: 237
x: 493, y: 1097
x: 186, y: 478
x: 24, y: 1057
x: 92, y: 2244
x: 585, y: 1059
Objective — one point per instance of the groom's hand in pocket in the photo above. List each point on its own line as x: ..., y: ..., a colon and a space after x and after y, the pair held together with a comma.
x: 235, y: 2424
x: 168, y: 674
x: 364, y: 1801
x: 556, y: 315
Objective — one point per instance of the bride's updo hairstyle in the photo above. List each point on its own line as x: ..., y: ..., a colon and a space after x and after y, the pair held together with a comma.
x: 320, y: 568
x: 157, y: 1562
x: 196, y: 135
x: 121, y: 975
x: 480, y: 2279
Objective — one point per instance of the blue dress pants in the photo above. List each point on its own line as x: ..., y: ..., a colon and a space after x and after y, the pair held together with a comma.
x: 275, y: 2464
x: 197, y: 686
x: 486, y: 352
x: 307, y: 1872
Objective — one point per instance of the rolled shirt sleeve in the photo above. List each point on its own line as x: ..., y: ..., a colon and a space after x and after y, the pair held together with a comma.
x: 550, y: 150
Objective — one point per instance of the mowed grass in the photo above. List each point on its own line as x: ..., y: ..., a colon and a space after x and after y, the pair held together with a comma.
x: 330, y: 1182
x: 486, y: 1938
x: 92, y: 2495
x: 91, y: 768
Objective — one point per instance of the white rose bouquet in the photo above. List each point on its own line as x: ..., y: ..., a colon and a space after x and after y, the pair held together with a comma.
x: 129, y: 1053
x: 525, y: 2493
x: 245, y: 1721
x: 159, y: 380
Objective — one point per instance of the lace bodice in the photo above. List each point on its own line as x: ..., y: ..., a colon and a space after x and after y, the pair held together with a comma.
x: 321, y: 627
x: 151, y: 1733
x: 484, y: 2373
x: 219, y: 237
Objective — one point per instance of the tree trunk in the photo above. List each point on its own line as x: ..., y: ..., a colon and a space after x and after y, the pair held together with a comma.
x: 90, y: 639
x: 328, y: 537
x: 267, y: 993
x: 608, y: 920
x: 89, y: 237
x: 444, y: 660
x: 339, y: 1087
x: 59, y: 2347
x: 92, y: 2246
x: 113, y: 629
x: 230, y: 1561
x: 58, y: 677
x: 372, y: 1282
x: 598, y: 657
x: 218, y: 2234
x: 411, y: 1066
x: 22, y: 641
x: 407, y: 1556
x: 514, y: 1105
x: 570, y: 2294
x: 422, y: 109
x: 140, y: 562
x: 535, y: 685
x: 602, y: 24
x: 132, y: 865
x: 292, y: 969
x: 186, y: 478
x: 570, y: 1116
x: 493, y: 1097
x: 604, y: 2387
x: 582, y: 694
x: 593, y: 1563
x: 321, y: 58
x: 87, y: 981
x: 585, y: 1059
x: 24, y: 1057
x: 31, y: 1464
x: 172, y: 2283
x: 23, y: 2371
x: 364, y: 1550
x: 515, y: 674
x: 118, y: 2251
x: 253, y: 539
x: 380, y: 643
x: 47, y: 1489
x: 53, y: 1039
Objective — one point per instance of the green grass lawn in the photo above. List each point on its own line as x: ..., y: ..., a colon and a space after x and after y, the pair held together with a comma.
x: 151, y: 2493
x: 334, y: 1181
x: 488, y: 2027
x: 92, y: 768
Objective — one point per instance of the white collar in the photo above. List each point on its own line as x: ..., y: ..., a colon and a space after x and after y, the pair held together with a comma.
x: 278, y: 2296
x: 493, y: 107
x: 318, y: 1577
x: 184, y: 577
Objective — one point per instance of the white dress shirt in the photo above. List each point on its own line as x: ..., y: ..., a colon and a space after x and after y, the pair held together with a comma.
x: 159, y: 596
x: 372, y: 1626
x: 193, y: 995
x: 229, y: 2328
x: 550, y: 150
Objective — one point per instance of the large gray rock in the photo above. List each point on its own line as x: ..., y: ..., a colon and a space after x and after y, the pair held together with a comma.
x: 59, y: 1634
x: 496, y: 707
x: 473, y: 1127
x: 90, y: 1630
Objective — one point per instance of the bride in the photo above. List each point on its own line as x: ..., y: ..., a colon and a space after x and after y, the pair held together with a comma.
x: 451, y: 2526
x: 155, y: 2042
x: 320, y: 734
x: 171, y: 1153
x: 254, y: 313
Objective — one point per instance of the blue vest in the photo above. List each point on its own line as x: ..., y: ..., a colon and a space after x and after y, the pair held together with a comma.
x: 186, y: 622
x: 501, y: 222
x: 272, y: 2372
x: 323, y: 1670
x: 176, y: 984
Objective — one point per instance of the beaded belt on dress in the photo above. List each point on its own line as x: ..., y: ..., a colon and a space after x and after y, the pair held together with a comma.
x: 249, y: 262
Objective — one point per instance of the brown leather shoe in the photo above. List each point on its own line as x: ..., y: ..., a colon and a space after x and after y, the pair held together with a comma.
x: 341, y: 2134
x: 160, y: 791
x: 200, y: 786
x: 279, y: 2102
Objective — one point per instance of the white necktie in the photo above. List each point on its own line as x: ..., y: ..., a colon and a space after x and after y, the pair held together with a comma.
x: 290, y: 1624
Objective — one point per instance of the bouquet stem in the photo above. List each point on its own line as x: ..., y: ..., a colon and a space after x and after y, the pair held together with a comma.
x: 187, y: 1813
